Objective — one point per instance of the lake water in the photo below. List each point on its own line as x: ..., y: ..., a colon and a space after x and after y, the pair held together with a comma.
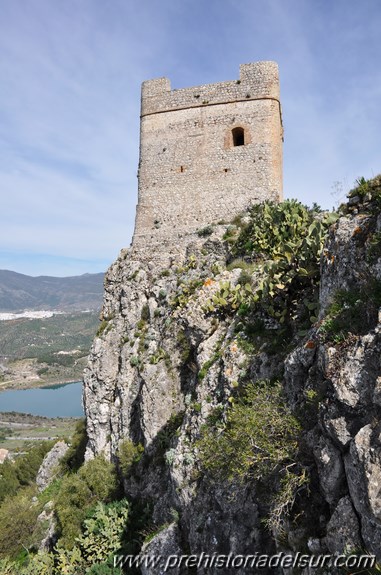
x: 54, y: 401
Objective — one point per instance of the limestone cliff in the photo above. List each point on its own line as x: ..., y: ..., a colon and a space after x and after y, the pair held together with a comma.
x: 176, y: 352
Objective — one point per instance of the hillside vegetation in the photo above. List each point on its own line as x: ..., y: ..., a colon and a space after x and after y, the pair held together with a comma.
x: 49, y: 350
x: 19, y: 292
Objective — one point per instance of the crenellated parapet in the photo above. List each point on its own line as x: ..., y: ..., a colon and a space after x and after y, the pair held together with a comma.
x: 259, y: 80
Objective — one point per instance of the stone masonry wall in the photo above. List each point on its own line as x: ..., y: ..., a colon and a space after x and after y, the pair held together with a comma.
x: 190, y: 172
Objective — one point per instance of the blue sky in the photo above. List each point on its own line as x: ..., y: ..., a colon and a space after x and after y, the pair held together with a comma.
x: 70, y: 76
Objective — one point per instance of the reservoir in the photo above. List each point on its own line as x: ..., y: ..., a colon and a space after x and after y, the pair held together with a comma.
x: 55, y: 401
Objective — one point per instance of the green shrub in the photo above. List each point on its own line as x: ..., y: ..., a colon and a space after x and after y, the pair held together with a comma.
x: 50, y: 492
x: 230, y: 298
x: 141, y: 325
x: 368, y: 190
x: 75, y: 455
x: 23, y: 471
x: 95, y: 481
x: 18, y: 523
x: 41, y: 563
x: 129, y: 454
x: 103, y: 531
x: 145, y: 313
x: 101, y: 537
x: 168, y: 432
x: 245, y: 277
x: 259, y: 436
x: 352, y: 311
x: 274, y: 229
x: 102, y: 328
x: 240, y: 263
x: 153, y: 531
x: 28, y: 464
x: 71, y: 506
x: 208, y: 364
x: 8, y: 567
x: 169, y: 456
x: 284, y: 241
x: 231, y: 233
x: 159, y: 355
x: 374, y: 248
x: 184, y: 292
x: 184, y: 347
x: 104, y: 569
x: 283, y: 500
x: 205, y: 232
x: 362, y: 188
x: 9, y: 482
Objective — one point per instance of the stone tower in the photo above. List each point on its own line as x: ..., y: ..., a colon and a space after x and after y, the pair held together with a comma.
x: 206, y: 153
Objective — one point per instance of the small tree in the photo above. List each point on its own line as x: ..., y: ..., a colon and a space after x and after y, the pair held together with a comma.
x: 95, y: 481
x: 260, y: 435
x: 18, y: 520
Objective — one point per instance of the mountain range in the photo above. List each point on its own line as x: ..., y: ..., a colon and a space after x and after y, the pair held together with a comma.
x: 19, y: 292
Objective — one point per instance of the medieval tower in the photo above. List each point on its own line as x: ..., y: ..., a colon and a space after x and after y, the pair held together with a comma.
x: 206, y: 153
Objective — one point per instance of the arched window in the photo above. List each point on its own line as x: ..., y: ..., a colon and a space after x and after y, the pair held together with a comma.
x: 238, y: 136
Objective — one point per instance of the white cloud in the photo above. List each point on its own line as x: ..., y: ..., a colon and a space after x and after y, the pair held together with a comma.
x: 69, y: 105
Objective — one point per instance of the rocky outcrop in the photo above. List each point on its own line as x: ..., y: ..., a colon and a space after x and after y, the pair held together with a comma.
x: 343, y: 532
x: 48, y: 526
x: 162, y: 367
x: 48, y: 469
x: 165, y: 543
x: 4, y: 455
x: 157, y: 371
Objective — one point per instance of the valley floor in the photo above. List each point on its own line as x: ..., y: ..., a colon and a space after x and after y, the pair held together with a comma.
x: 19, y: 430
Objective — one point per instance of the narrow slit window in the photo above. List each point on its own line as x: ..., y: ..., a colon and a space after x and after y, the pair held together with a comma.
x: 238, y: 137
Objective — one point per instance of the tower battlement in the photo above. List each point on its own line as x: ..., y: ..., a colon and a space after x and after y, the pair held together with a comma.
x: 207, y: 153
x: 256, y: 81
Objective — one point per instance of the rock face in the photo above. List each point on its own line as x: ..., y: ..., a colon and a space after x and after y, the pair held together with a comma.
x: 48, y: 468
x: 4, y: 454
x: 166, y: 543
x: 343, y: 533
x: 161, y: 367
x: 49, y: 527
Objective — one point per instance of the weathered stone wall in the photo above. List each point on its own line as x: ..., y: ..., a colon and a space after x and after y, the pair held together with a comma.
x: 190, y: 172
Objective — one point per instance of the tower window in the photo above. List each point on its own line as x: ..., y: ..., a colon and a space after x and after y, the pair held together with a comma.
x: 238, y: 136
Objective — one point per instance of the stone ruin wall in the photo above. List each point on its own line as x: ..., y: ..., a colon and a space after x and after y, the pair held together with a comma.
x: 190, y: 173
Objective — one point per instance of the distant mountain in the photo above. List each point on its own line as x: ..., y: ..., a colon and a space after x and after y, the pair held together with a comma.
x: 19, y: 292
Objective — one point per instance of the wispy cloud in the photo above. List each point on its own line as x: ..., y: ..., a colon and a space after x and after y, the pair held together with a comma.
x: 69, y: 106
